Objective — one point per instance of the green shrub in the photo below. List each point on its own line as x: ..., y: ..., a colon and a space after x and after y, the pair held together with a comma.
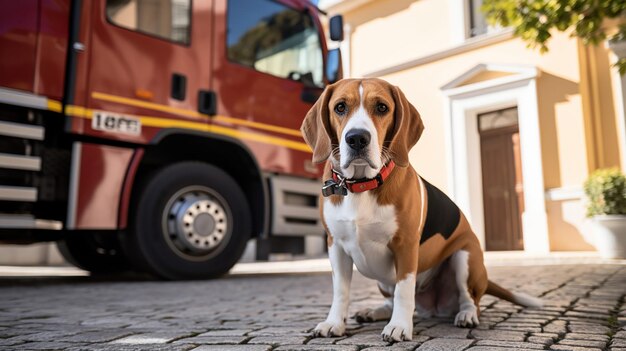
x: 606, y: 192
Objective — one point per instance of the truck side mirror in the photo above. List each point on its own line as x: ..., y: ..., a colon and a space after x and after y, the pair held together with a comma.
x: 336, y: 28
x: 334, y: 71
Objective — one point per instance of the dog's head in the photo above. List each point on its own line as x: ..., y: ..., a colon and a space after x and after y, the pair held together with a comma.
x: 360, y: 125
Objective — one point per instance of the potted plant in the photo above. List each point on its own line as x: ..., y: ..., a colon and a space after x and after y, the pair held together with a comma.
x: 606, y: 206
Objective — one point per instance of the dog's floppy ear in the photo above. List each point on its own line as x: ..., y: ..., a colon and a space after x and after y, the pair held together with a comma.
x: 408, y: 128
x: 316, y: 127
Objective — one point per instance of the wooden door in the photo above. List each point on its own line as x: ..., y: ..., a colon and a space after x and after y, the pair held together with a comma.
x: 503, y: 193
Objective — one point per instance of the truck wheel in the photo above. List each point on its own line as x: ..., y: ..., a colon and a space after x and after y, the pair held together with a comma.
x: 97, y: 253
x: 190, y: 220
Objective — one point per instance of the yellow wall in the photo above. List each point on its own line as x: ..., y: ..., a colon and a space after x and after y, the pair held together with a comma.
x: 388, y: 32
x: 574, y: 93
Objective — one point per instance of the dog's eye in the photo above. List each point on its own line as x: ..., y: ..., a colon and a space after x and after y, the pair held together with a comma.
x: 340, y: 108
x: 382, y: 108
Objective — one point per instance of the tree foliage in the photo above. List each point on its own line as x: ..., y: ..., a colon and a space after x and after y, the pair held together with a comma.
x: 533, y: 20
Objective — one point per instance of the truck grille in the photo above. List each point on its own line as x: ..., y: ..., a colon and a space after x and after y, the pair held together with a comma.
x: 19, y: 140
x: 31, y: 169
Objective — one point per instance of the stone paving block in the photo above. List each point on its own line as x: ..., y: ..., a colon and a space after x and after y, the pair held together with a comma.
x: 46, y: 345
x: 546, y: 335
x: 573, y: 348
x: 518, y: 328
x: 588, y: 329
x: 587, y: 315
x: 583, y: 343
x: 109, y: 347
x: 96, y: 336
x: 498, y: 335
x: 269, y: 331
x: 233, y: 348
x: 446, y: 331
x: 11, y: 341
x: 445, y: 345
x: 364, y: 340
x: 317, y: 348
x: 213, y: 340
x: 618, y: 343
x: 227, y: 332
x: 150, y: 338
x: 324, y: 341
x: 278, y: 340
x: 11, y: 332
x: 540, y: 340
x: 595, y: 337
x: 107, y: 322
x: 509, y: 344
x: 530, y: 321
x: 399, y: 346
x: 492, y: 348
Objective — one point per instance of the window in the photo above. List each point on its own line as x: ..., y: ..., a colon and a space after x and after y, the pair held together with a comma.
x: 168, y: 19
x: 477, y: 22
x: 274, y: 39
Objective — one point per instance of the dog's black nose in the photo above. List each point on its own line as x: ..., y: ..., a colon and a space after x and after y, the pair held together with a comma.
x: 358, y: 139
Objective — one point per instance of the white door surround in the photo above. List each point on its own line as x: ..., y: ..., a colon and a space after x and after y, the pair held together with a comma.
x: 619, y: 89
x: 463, y: 104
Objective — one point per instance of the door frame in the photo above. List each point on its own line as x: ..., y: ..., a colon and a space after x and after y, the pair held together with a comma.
x: 463, y: 105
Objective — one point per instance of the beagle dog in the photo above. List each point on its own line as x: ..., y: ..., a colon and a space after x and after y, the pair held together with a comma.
x: 381, y: 216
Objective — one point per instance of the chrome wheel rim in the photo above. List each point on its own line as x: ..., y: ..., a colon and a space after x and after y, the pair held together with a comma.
x: 197, y: 223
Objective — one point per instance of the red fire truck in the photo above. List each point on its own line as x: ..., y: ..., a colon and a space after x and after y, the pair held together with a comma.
x: 160, y: 135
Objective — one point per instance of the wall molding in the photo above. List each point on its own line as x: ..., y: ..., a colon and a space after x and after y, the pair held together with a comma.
x: 469, y: 45
x: 567, y: 193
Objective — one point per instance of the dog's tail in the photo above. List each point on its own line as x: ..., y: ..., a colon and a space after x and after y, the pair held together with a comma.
x: 514, y: 297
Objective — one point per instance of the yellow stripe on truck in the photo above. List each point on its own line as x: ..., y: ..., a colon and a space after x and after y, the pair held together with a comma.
x: 189, y: 113
x: 79, y: 111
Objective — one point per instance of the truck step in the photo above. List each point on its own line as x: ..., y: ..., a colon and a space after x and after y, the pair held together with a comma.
x: 8, y: 221
x: 18, y: 193
x: 19, y: 130
x: 294, y: 207
x: 27, y: 163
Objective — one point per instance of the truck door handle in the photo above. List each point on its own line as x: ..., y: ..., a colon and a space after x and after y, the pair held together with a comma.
x: 179, y: 86
x: 207, y: 102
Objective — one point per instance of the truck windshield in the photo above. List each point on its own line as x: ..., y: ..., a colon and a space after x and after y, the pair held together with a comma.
x: 274, y: 39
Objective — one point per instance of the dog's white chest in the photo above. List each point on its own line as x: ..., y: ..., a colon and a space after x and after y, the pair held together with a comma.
x: 363, y: 228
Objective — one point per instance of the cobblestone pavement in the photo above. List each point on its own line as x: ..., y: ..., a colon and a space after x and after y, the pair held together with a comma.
x: 584, y: 310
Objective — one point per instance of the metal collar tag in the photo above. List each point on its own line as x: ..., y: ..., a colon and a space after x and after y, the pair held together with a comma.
x: 332, y: 188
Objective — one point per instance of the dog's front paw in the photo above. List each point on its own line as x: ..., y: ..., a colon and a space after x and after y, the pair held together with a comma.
x: 398, y: 331
x: 328, y: 329
x: 466, y: 318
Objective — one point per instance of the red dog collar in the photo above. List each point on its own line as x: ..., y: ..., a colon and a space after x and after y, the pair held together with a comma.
x: 338, y: 184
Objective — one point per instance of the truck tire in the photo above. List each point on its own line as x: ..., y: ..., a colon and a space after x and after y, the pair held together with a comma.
x: 190, y: 220
x: 94, y: 252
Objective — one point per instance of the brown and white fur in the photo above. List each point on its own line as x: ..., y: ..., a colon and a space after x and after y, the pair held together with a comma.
x: 380, y: 230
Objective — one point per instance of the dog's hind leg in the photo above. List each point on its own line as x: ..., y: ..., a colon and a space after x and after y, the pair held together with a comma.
x: 469, y: 296
x: 380, y: 313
